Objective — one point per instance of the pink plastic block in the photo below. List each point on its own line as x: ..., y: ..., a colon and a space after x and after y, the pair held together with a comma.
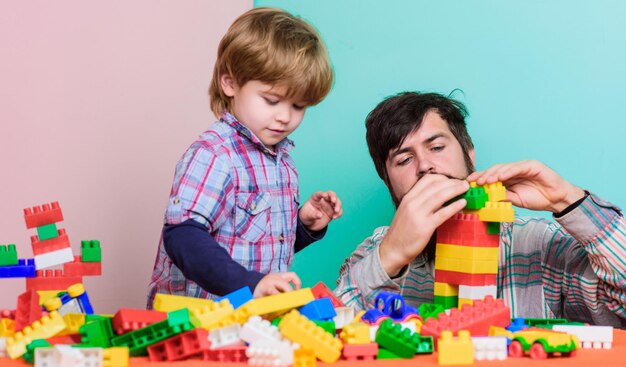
x: 353, y: 352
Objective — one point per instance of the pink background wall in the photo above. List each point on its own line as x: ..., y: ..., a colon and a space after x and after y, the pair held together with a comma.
x: 98, y: 100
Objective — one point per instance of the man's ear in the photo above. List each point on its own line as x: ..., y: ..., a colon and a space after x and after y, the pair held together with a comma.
x: 228, y: 84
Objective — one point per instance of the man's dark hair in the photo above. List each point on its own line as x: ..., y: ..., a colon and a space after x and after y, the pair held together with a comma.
x: 394, y: 118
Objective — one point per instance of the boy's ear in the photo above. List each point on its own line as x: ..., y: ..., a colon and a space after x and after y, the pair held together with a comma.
x: 228, y: 84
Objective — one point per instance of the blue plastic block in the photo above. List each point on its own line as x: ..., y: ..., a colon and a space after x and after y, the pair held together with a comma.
x: 83, y: 299
x: 319, y: 309
x: 517, y: 324
x: 25, y: 268
x: 238, y: 297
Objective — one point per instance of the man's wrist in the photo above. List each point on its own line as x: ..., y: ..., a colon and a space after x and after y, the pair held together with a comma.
x: 389, y: 261
x: 573, y: 195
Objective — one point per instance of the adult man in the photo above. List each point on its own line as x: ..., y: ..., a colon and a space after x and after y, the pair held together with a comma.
x: 574, y: 268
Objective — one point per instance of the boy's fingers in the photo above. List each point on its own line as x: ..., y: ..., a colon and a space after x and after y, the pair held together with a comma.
x: 292, y: 278
x: 282, y: 286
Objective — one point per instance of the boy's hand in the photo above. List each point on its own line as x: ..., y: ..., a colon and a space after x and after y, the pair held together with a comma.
x: 274, y: 283
x: 531, y: 185
x: 320, y: 209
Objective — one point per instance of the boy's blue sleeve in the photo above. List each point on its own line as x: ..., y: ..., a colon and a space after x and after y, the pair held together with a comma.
x: 304, y: 237
x: 201, y: 259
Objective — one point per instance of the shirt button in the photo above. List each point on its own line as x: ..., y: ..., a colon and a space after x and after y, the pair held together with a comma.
x: 176, y: 200
x: 253, y: 206
x: 281, y: 238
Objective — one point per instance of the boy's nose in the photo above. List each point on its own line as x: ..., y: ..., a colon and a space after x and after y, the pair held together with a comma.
x: 283, y: 115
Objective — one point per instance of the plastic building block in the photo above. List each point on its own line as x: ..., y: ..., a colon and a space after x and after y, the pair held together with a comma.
x: 225, y: 336
x: 320, y: 290
x: 303, y: 357
x: 80, y: 268
x: 97, y: 333
x: 7, y: 314
x: 51, y: 280
x: 366, y: 352
x: 256, y: 329
x: 497, y: 212
x: 496, y: 191
x: 25, y: 268
x: 47, y: 232
x: 386, y: 354
x: 235, y: 353
x: 238, y: 297
x: 75, y: 300
x: 7, y: 328
x: 128, y: 319
x: 77, y: 292
x: 430, y: 310
x: 28, y: 310
x: 298, y: 329
x: 8, y: 255
x: 476, y: 197
x: 541, y: 343
x: 455, y: 277
x: 544, y: 323
x: 209, y: 315
x: 356, y: 333
x: 115, y: 357
x: 400, y: 341
x: 493, y: 228
x: 328, y: 326
x: 73, y: 321
x: 65, y: 355
x: 489, y: 348
x: 270, y: 353
x: 345, y: 315
x: 168, y: 302
x: 180, y: 346
x: 319, y: 309
x: 446, y: 290
x: 139, y: 340
x: 462, y: 266
x: 597, y: 337
x: 476, y: 319
x: 38, y: 216
x: 60, y: 242
x: 29, y: 356
x: 467, y: 230
x: 91, y: 251
x: 459, y: 351
x: 48, y: 326
x: 476, y: 292
x: 468, y: 253
x: 50, y: 259
x: 447, y: 302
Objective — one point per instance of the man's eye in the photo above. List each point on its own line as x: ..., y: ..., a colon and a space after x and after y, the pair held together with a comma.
x: 404, y: 161
x: 437, y: 148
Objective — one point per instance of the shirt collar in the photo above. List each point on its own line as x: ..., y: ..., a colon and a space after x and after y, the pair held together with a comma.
x: 283, y: 146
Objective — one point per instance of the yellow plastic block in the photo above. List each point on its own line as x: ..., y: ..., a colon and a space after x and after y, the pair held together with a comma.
x: 499, y: 331
x: 465, y: 301
x: 7, y: 327
x: 468, y: 253
x: 497, y: 212
x: 301, y: 330
x: 115, y: 357
x: 167, y: 302
x: 73, y: 322
x: 359, y: 316
x: 304, y: 358
x: 47, y: 327
x: 455, y: 351
x: 356, y: 333
x: 496, y: 191
x: 46, y: 295
x: 209, y: 315
x: 445, y: 289
x: 464, y: 266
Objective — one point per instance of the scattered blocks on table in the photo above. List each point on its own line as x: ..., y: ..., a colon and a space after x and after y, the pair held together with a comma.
x: 455, y: 351
x: 299, y: 329
x: 490, y: 348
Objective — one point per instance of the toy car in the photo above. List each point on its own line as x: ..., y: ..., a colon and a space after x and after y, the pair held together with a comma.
x: 541, y: 343
x: 390, y: 305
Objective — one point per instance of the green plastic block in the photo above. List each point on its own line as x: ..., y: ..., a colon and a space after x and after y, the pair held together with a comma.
x: 8, y: 255
x: 328, y: 326
x: 476, y: 198
x: 277, y: 321
x: 393, y: 337
x: 91, y: 251
x: 447, y: 302
x: 97, y: 333
x: 430, y: 310
x: 47, y: 232
x: 386, y: 354
x: 29, y: 356
x: 425, y: 345
x: 545, y: 323
x: 493, y: 227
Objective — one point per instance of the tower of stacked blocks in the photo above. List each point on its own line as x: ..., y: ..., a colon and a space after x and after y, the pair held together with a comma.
x: 466, y: 255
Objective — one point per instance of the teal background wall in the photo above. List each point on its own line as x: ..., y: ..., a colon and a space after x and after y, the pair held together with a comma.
x: 542, y: 80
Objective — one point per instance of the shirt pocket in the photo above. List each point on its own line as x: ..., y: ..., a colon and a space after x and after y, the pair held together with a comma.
x: 252, y: 215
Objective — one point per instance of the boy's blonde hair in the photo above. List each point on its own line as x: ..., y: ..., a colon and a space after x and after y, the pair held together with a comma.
x: 274, y: 47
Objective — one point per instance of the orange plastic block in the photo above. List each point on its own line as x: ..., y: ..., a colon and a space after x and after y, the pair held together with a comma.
x: 356, y: 333
x: 304, y: 358
x: 366, y: 352
x: 464, y: 266
x: 497, y: 212
x: 455, y: 351
x: 7, y: 327
x: 129, y: 319
x: 301, y: 330
x: 47, y: 327
x: 39, y: 216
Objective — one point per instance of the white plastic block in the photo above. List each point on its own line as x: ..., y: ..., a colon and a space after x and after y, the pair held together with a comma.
x: 227, y: 335
x: 345, y: 315
x: 477, y: 292
x: 3, y: 346
x: 257, y: 329
x: 53, y: 258
x: 490, y: 348
x: 597, y: 337
x: 271, y: 353
x: 65, y: 355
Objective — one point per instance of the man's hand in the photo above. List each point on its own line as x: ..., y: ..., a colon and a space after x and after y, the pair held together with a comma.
x: 274, y: 283
x: 320, y: 209
x: 419, y: 214
x: 531, y: 185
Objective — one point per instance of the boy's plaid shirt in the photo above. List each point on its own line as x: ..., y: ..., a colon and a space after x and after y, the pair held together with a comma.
x: 245, y: 194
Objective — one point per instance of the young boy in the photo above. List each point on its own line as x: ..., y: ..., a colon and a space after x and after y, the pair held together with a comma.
x: 232, y: 218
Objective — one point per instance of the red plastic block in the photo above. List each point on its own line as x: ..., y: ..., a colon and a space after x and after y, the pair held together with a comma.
x: 320, y: 290
x: 53, y: 244
x: 180, y: 346
x: 467, y: 230
x: 226, y: 354
x: 28, y: 309
x: 353, y: 352
x: 65, y: 339
x: 38, y: 216
x: 129, y: 319
x: 7, y: 314
x: 457, y: 278
x: 78, y: 268
x: 476, y: 318
x: 50, y: 280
